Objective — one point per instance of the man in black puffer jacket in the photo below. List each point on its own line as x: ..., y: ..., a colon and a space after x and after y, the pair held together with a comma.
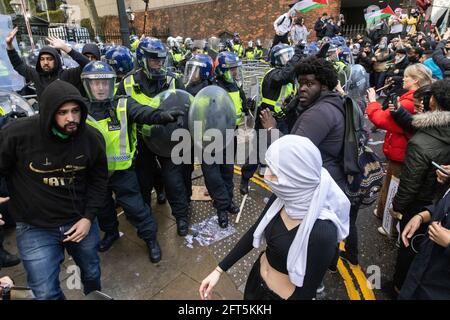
x: 48, y: 66
x: 56, y: 171
x: 418, y: 186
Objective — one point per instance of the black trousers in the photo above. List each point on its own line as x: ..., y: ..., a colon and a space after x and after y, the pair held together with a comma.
x: 405, y: 255
x: 148, y: 171
x: 351, y: 243
x: 124, y: 184
x: 175, y: 179
x: 256, y: 288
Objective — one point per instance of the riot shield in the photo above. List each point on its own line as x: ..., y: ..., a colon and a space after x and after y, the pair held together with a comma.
x: 212, y: 108
x: 10, y: 80
x: 158, y: 137
x: 358, y: 84
x: 12, y: 102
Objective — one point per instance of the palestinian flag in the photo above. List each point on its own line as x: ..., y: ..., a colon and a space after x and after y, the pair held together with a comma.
x: 374, y: 16
x: 308, y: 5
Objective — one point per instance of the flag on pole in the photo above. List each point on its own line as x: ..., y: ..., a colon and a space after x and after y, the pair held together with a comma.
x: 308, y: 5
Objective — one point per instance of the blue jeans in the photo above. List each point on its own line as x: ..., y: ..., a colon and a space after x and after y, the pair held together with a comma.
x: 42, y: 252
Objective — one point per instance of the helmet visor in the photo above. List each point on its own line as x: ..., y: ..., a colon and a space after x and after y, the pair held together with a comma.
x: 192, y: 72
x: 99, y: 89
x: 284, y: 55
x: 234, y: 75
x: 155, y: 68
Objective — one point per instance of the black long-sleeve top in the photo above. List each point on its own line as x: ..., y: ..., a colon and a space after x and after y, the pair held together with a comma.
x: 321, y: 250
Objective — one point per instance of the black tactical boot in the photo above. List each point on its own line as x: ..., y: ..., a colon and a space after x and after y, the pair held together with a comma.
x: 154, y: 251
x: 233, y: 208
x: 223, y: 219
x: 108, y: 240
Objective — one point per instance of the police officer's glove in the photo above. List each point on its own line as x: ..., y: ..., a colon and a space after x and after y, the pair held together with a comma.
x: 168, y: 116
x: 17, y: 114
x: 290, y: 105
x: 250, y: 105
x: 323, y: 51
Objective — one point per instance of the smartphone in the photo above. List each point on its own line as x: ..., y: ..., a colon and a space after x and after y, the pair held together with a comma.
x: 440, y: 168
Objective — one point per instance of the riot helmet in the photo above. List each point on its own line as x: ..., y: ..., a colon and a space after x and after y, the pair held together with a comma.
x: 98, y: 80
x: 281, y: 54
x: 199, y: 68
x: 151, y: 55
x: 121, y: 59
x: 229, y: 67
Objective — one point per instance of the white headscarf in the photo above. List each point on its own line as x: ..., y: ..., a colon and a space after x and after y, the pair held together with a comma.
x: 307, y: 192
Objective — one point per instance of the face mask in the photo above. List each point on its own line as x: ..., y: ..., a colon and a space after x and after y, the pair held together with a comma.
x: 399, y: 59
x: 382, y: 46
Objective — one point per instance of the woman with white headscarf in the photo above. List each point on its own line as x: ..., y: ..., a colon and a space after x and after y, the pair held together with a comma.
x: 301, y: 226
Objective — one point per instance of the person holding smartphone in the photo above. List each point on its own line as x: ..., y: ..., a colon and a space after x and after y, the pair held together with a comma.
x: 428, y: 277
x: 396, y: 138
x: 418, y: 185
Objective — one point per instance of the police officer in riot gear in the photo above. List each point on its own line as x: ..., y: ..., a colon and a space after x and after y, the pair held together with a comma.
x: 143, y: 85
x: 279, y: 83
x: 219, y: 177
x: 120, y: 59
x: 116, y: 119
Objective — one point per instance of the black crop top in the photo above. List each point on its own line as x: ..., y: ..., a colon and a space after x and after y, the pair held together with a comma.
x: 322, y: 247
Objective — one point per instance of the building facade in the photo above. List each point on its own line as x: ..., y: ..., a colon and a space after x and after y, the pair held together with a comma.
x: 253, y: 19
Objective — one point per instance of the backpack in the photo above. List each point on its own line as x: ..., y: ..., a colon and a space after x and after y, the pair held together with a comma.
x: 361, y: 165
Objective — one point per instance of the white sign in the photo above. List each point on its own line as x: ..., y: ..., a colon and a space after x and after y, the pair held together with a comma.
x: 389, y: 222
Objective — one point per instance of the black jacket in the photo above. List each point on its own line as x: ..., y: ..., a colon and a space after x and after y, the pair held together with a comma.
x: 93, y: 49
x: 42, y: 79
x: 135, y: 112
x: 441, y: 59
x: 429, y: 275
x: 278, y: 77
x: 324, y: 124
x: 319, y: 28
x: 431, y: 142
x: 53, y: 181
x: 404, y: 119
x: 150, y: 87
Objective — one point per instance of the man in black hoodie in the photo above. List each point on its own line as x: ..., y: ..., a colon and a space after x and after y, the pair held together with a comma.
x: 56, y: 171
x: 91, y: 51
x: 48, y: 66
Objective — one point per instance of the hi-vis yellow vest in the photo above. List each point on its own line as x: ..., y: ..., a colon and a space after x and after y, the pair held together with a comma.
x: 120, y: 148
x: 236, y: 97
x: 285, y: 92
x: 143, y: 99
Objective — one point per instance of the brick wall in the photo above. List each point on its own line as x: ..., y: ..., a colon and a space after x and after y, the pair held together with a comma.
x: 253, y: 19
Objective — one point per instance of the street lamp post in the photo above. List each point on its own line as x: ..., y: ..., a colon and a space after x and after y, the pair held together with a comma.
x: 131, y: 17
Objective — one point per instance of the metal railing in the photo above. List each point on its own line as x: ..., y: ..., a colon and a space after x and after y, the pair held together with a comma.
x: 253, y: 73
x: 352, y: 30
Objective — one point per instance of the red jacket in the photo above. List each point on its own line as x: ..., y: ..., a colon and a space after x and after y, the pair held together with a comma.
x: 396, y: 138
